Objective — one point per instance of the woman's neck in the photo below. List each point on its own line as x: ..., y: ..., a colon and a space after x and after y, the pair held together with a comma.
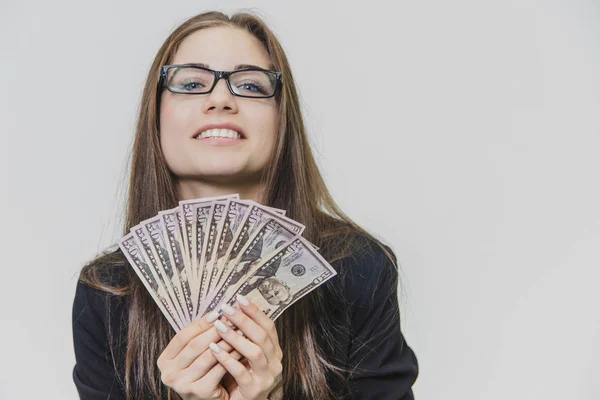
x: 195, y: 189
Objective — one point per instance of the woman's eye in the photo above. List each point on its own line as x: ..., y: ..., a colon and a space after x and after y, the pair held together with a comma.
x: 251, y: 87
x: 191, y: 85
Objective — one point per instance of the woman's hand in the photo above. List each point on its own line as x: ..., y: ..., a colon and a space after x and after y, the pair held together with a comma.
x: 259, y: 344
x: 188, y: 367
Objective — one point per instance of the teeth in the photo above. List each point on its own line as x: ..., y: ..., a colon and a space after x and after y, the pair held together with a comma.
x: 224, y: 133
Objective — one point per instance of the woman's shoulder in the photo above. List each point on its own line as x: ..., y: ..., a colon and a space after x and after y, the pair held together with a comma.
x: 99, y: 323
x: 107, y: 272
x: 102, y: 287
x: 364, y: 264
x: 370, y: 267
x: 369, y: 253
x: 359, y: 253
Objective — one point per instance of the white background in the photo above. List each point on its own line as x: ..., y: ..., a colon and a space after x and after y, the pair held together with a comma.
x: 473, y: 151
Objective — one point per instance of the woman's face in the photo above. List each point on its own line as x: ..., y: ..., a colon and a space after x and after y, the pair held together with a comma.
x: 182, y: 116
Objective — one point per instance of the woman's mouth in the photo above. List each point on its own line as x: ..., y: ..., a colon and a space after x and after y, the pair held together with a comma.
x: 219, y: 134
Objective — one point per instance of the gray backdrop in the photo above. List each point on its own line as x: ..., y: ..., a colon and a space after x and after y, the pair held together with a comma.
x: 473, y: 152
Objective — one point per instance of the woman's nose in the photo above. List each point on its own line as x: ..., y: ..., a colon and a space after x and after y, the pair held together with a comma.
x: 221, y: 97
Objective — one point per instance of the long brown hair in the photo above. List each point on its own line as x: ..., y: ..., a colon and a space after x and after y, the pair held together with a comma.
x: 292, y: 182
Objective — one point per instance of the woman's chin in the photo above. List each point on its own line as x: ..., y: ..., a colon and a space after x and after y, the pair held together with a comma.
x: 225, y: 174
x: 219, y: 166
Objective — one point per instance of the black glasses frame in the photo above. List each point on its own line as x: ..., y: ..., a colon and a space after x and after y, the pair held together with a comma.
x: 218, y: 75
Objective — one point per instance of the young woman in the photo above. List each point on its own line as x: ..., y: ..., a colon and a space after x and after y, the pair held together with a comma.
x: 342, y: 340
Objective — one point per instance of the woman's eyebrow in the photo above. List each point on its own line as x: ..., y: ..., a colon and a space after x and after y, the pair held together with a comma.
x: 244, y: 66
x: 238, y: 66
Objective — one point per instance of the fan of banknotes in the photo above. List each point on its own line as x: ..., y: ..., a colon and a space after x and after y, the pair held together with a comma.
x: 200, y: 255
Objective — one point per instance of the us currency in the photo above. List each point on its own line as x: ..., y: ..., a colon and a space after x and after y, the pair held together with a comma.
x: 187, y: 259
x: 202, y: 214
x: 153, y: 227
x: 170, y: 227
x: 233, y: 216
x: 145, y: 245
x: 185, y: 219
x: 285, y: 277
x: 275, y: 210
x: 207, y: 248
x: 268, y: 237
x: 194, y: 241
x: 133, y: 254
x: 255, y: 216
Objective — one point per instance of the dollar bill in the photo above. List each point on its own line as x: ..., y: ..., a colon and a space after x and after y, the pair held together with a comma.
x: 233, y: 216
x: 256, y: 215
x: 187, y: 259
x: 185, y: 219
x: 282, y: 279
x: 154, y: 228
x: 194, y: 241
x: 275, y: 210
x: 203, y: 214
x: 197, y: 256
x: 146, y: 245
x: 207, y: 249
x: 130, y: 249
x: 173, y: 238
x: 267, y: 238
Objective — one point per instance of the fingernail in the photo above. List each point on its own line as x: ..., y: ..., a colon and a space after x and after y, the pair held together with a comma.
x: 221, y: 327
x: 227, y: 309
x: 242, y: 300
x: 239, y: 332
x: 214, y: 348
x: 228, y: 323
x: 212, y: 317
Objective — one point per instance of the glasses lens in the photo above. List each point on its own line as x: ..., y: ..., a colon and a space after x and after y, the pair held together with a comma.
x: 253, y: 83
x: 190, y: 80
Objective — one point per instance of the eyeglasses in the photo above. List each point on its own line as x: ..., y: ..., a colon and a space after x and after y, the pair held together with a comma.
x: 192, y: 79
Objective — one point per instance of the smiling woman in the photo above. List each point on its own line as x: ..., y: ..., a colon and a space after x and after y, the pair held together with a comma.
x: 241, y: 160
x: 220, y: 114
